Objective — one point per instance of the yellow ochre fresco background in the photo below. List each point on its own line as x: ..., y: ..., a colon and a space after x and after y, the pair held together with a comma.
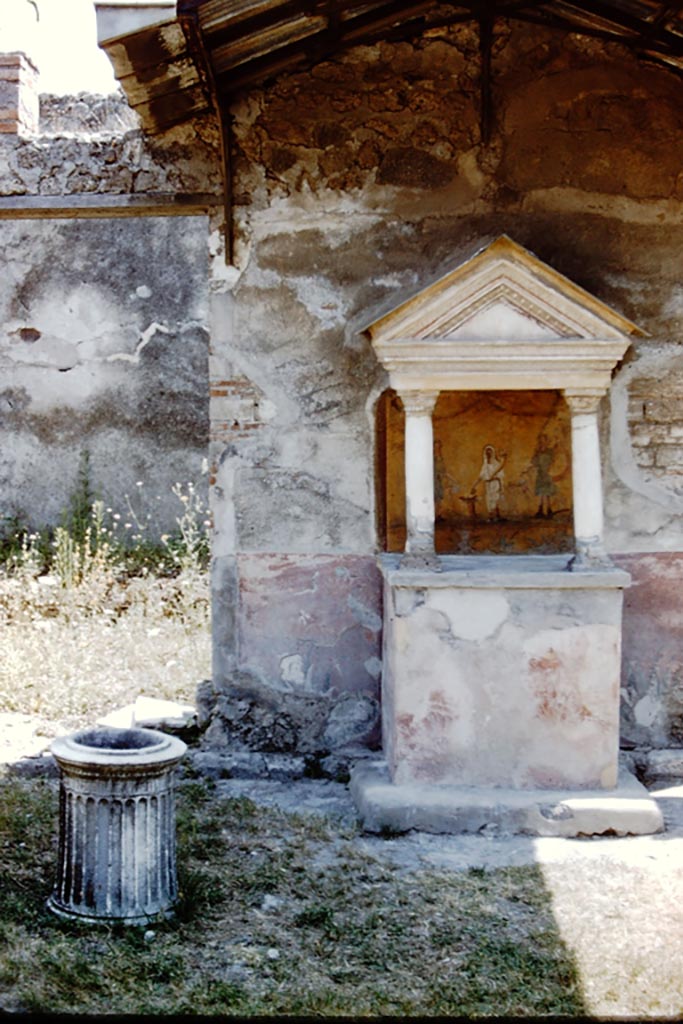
x: 502, y: 466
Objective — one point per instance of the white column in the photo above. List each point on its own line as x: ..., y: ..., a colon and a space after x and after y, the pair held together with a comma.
x: 586, y: 477
x: 419, y: 466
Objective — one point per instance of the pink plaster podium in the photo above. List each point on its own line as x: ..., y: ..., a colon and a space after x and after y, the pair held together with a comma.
x: 501, y: 673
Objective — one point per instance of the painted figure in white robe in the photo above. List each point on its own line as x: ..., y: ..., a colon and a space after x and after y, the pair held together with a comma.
x: 492, y: 476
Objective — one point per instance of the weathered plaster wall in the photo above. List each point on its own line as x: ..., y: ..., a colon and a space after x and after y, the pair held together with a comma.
x: 357, y: 183
x: 103, y: 321
x: 652, y: 677
x: 354, y: 185
x: 106, y: 349
x: 518, y: 676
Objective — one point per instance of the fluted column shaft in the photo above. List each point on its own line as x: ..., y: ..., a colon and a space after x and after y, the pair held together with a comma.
x: 117, y: 847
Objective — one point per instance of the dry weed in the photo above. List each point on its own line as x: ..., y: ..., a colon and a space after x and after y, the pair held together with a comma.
x: 73, y: 654
x: 94, y: 615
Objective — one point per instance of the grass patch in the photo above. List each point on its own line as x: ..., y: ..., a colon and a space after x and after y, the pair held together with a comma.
x: 276, y: 918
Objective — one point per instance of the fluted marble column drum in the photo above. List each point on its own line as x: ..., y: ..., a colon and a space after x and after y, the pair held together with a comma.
x: 117, y: 843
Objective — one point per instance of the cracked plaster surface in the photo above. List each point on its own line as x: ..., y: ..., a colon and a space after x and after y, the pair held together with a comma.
x: 98, y: 351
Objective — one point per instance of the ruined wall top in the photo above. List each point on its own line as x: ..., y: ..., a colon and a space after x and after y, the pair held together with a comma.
x: 90, y: 144
x: 86, y: 114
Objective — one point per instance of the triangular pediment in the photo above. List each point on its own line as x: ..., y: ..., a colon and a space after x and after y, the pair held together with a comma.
x: 502, y: 314
x: 501, y: 319
x: 506, y: 291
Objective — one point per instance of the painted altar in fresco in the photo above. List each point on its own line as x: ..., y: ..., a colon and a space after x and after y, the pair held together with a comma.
x: 502, y: 609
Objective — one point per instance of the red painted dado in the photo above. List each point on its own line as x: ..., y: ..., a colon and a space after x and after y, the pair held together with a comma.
x: 311, y: 624
x: 652, y: 646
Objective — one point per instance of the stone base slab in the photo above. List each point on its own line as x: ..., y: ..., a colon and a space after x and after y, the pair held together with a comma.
x: 384, y: 806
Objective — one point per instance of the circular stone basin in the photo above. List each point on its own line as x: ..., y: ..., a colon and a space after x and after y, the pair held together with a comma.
x: 106, y: 745
x: 117, y: 739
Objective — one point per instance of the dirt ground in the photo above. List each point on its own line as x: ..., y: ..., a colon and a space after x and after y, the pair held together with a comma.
x: 617, y: 902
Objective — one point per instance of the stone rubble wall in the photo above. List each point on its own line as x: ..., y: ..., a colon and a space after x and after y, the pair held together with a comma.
x: 86, y: 114
x: 183, y: 160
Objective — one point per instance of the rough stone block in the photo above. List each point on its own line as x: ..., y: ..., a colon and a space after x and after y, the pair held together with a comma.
x: 663, y: 410
x: 664, y: 764
x: 669, y: 456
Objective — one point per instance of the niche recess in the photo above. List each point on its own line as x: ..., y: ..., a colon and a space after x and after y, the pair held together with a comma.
x: 502, y: 473
x: 493, y: 369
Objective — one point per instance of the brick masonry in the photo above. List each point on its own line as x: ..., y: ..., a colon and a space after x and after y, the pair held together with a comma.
x: 235, y: 409
x: 655, y: 417
x: 19, y: 103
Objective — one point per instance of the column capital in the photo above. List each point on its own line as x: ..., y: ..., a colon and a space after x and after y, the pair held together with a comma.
x: 583, y: 400
x: 418, y: 403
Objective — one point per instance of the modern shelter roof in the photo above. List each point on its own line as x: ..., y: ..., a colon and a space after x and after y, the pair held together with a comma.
x: 177, y: 60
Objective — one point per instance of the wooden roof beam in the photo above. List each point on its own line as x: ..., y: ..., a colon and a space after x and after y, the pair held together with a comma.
x: 665, y: 12
x: 487, y: 21
x: 607, y: 13
x: 190, y: 24
x: 354, y: 31
x: 633, y: 42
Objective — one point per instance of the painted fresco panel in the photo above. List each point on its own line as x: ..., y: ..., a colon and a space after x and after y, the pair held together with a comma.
x: 311, y: 625
x: 502, y: 466
x: 652, y: 670
x: 517, y: 686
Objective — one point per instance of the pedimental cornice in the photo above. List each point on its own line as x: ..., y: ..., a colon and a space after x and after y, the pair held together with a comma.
x: 503, y: 320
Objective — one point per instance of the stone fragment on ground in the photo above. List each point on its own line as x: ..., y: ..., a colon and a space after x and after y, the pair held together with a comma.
x: 24, y: 744
x: 322, y: 798
x: 662, y: 764
x: 245, y: 764
x: 23, y: 736
x: 152, y: 713
x: 227, y: 763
